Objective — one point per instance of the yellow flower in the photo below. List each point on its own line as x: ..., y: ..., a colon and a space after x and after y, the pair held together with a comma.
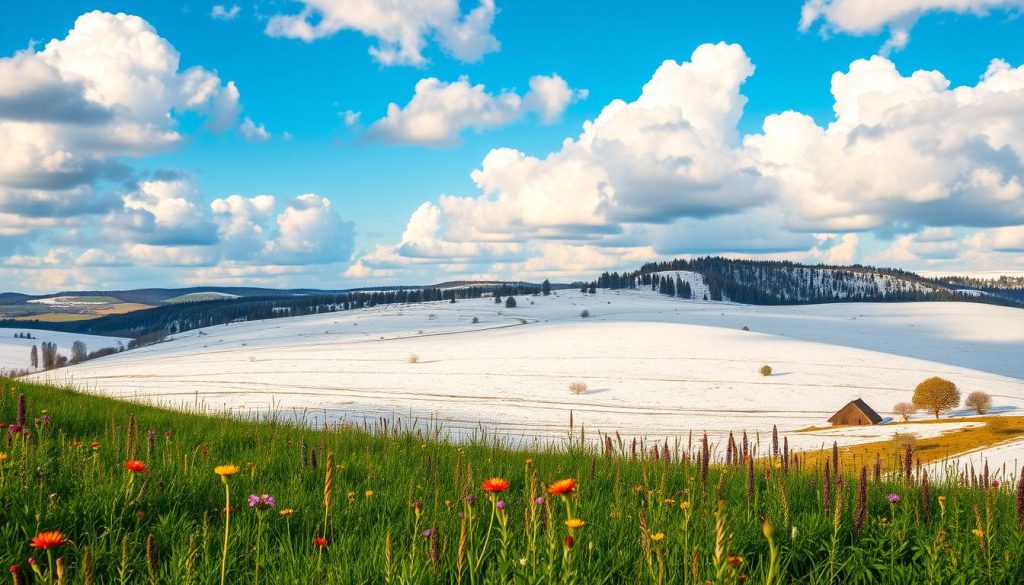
x: 574, y: 523
x: 670, y: 502
x: 369, y: 493
x: 225, y: 470
x: 3, y: 457
x: 778, y: 465
x: 638, y: 489
x: 286, y: 512
x: 978, y: 532
x: 684, y: 505
x: 658, y: 536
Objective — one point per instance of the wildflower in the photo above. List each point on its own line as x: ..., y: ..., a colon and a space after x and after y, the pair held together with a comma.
x: 369, y: 493
x: 76, y: 444
x: 500, y: 505
x: 669, y: 502
x: 684, y: 505
x: 978, y: 532
x: 320, y: 542
x: 562, y: 487
x: 428, y: 533
x: 135, y: 466
x: 893, y: 498
x: 287, y: 512
x: 47, y: 540
x: 658, y: 536
x: 734, y: 561
x: 942, y: 502
x: 225, y: 471
x: 529, y: 461
x: 95, y: 444
x: 574, y: 523
x: 539, y: 501
x: 3, y: 457
x: 261, y: 503
x: 569, y: 541
x: 494, y: 485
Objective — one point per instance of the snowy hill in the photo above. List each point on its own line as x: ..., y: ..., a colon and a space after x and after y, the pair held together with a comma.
x: 654, y: 366
x: 779, y: 283
x: 14, y: 351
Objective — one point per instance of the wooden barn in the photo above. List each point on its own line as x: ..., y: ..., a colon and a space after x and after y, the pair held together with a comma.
x: 857, y: 412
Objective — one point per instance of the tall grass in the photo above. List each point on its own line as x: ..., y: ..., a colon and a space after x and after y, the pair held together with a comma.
x: 393, y: 507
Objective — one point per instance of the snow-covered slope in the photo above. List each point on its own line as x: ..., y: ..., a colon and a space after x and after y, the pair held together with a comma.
x: 14, y: 352
x: 654, y: 366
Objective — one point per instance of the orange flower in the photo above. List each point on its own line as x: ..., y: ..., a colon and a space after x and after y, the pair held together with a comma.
x: 562, y: 487
x: 135, y: 466
x: 225, y: 470
x: 48, y: 540
x: 494, y: 485
x: 320, y: 541
x: 734, y: 561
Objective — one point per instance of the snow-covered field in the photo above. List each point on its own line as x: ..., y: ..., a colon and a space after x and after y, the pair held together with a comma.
x: 654, y: 366
x: 14, y: 352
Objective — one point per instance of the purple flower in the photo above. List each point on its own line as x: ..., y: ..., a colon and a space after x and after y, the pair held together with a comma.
x: 470, y: 499
x: 261, y: 503
x: 500, y: 505
x: 893, y: 498
x: 14, y: 429
x: 427, y: 533
x: 539, y: 501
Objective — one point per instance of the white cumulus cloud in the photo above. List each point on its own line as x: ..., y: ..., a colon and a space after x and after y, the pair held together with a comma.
x: 439, y: 111
x: 401, y: 27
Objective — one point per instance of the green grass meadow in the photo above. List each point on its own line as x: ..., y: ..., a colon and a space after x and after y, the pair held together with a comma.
x: 394, y: 507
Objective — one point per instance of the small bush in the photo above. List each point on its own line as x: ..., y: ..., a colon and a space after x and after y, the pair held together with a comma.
x: 979, y: 401
x: 577, y: 388
x: 476, y: 320
x: 904, y: 410
x: 901, y: 440
x: 585, y: 313
x: 766, y: 370
x: 745, y: 328
x: 414, y: 359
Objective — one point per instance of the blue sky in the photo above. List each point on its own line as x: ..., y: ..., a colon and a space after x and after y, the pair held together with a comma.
x: 373, y: 210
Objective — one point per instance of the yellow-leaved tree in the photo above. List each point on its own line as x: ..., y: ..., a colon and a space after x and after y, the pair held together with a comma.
x: 936, y: 395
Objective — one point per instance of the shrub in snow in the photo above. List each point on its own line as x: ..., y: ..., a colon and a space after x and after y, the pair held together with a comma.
x: 476, y: 320
x: 577, y: 387
x: 414, y: 359
x: 585, y: 313
x: 766, y: 370
x: 745, y: 328
x: 936, y: 395
x: 510, y: 303
x: 979, y: 401
x: 904, y: 410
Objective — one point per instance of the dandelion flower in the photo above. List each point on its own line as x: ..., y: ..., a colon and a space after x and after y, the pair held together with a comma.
x: 494, y: 485
x: 562, y: 487
x: 978, y: 532
x: 684, y: 505
x: 135, y: 466
x: 658, y: 536
x: 574, y: 523
x: 287, y: 512
x: 47, y: 540
x: 369, y: 493
x: 225, y: 470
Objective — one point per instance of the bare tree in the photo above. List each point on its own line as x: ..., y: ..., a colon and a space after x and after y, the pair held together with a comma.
x: 79, y: 352
x: 34, y: 358
x: 904, y: 410
x: 979, y: 401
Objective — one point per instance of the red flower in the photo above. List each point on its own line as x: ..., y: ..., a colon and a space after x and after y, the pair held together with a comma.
x: 562, y: 487
x: 135, y: 466
x: 569, y: 541
x: 320, y: 541
x: 94, y: 445
x: 76, y: 443
x: 48, y: 540
x: 494, y: 485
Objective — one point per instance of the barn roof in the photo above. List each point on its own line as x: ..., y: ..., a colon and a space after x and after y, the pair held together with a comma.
x: 862, y: 406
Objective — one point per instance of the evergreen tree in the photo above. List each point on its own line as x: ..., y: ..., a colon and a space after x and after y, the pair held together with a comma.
x: 510, y: 303
x: 545, y: 287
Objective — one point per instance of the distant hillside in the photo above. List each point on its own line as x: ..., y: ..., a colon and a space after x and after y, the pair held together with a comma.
x: 153, y: 323
x: 759, y: 282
